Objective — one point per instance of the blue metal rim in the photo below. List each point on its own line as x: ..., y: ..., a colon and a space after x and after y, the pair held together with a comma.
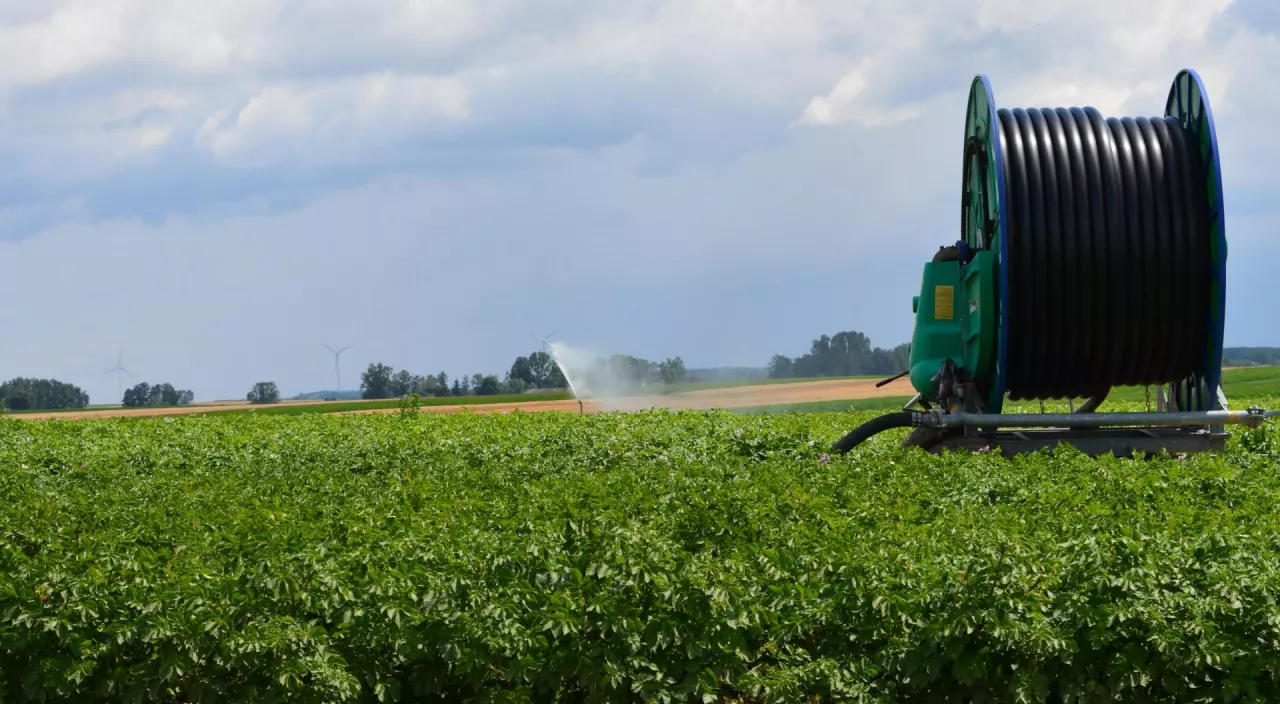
x: 1188, y: 102
x: 981, y: 82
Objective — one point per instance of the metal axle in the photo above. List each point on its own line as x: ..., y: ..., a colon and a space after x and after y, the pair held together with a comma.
x: 1252, y: 418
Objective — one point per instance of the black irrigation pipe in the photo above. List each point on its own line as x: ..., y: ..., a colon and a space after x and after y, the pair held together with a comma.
x: 1108, y: 238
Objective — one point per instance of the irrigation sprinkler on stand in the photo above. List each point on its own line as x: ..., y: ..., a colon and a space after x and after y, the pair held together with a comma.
x: 564, y: 370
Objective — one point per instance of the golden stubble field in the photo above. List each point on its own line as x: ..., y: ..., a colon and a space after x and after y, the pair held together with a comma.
x: 731, y: 397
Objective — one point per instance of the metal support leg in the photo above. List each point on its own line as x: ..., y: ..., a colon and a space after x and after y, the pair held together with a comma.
x: 1222, y: 405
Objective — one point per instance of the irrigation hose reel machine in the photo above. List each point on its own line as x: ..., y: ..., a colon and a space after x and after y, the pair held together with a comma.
x: 1092, y: 256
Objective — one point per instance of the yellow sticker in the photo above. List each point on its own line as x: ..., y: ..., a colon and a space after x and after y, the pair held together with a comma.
x: 944, y: 302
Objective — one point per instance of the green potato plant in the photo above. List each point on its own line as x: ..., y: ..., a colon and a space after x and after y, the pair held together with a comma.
x: 657, y: 556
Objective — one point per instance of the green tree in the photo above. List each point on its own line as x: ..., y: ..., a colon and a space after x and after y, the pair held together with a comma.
x: 846, y: 353
x: 514, y: 385
x: 164, y: 395
x: 557, y: 379
x: 1250, y: 356
x: 522, y: 371
x: 442, y: 384
x: 41, y: 394
x: 264, y: 392
x: 376, y: 381
x: 488, y: 386
x: 157, y: 395
x: 632, y: 371
x: 542, y: 365
x: 457, y: 388
x: 780, y: 367
x: 671, y: 370
x: 403, y: 383
x: 21, y: 399
x: 137, y: 396
x: 901, y: 357
x: 425, y: 385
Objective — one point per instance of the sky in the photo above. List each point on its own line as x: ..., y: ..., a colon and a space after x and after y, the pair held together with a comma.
x: 219, y: 189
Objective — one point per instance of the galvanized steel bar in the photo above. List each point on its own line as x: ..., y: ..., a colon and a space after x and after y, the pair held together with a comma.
x: 937, y: 419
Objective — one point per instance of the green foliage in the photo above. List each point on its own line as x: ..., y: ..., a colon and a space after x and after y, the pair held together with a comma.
x: 410, y: 404
x: 22, y: 394
x: 298, y: 409
x: 376, y: 381
x: 144, y: 394
x: 843, y: 354
x: 1253, y: 382
x: 1250, y: 356
x: 137, y: 395
x: 537, y: 371
x: 488, y: 386
x: 631, y: 557
x: 404, y: 383
x: 671, y: 370
x: 263, y: 392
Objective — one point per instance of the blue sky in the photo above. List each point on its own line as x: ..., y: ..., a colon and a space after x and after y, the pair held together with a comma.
x: 220, y: 188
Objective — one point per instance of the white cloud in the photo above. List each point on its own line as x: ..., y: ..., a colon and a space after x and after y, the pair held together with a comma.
x: 848, y: 101
x: 150, y: 137
x: 574, y: 162
x: 85, y: 35
x: 1114, y: 55
x: 339, y: 121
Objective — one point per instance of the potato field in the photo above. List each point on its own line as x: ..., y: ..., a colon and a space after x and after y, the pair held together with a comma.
x: 656, y: 556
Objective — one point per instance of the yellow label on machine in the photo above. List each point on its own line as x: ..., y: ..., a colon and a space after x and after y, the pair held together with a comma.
x: 944, y: 302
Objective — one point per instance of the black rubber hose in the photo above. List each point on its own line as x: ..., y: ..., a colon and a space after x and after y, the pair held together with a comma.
x: 1091, y: 404
x: 862, y: 433
x: 1109, y: 237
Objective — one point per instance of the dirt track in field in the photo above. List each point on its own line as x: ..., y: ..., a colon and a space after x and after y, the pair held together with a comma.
x: 734, y: 397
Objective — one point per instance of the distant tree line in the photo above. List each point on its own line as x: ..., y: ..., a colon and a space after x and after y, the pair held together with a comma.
x: 383, y: 381
x: 846, y: 353
x: 145, y: 394
x: 22, y: 394
x: 727, y: 374
x: 1250, y: 356
x: 621, y: 373
x: 536, y: 371
x: 642, y: 372
x: 843, y: 354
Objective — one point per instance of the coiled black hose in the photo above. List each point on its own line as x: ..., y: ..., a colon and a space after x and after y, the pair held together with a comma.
x: 1108, y: 252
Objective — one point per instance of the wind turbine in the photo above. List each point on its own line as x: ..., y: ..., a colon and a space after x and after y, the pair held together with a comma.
x: 545, y: 338
x: 120, y: 371
x: 337, y: 373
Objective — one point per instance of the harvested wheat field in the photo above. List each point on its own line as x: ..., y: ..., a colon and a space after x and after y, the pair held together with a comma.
x: 732, y: 397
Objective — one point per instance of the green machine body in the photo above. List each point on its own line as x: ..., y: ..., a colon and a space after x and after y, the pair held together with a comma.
x: 956, y: 323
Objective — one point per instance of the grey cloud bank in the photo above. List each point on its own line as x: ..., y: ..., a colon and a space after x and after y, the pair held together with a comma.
x: 220, y: 189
